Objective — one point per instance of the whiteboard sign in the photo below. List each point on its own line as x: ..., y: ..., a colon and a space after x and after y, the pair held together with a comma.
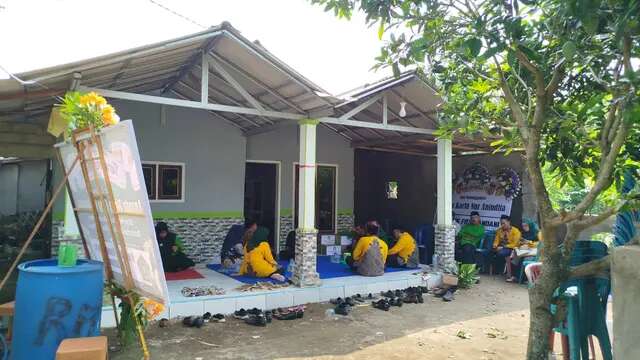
x: 490, y: 207
x: 131, y: 205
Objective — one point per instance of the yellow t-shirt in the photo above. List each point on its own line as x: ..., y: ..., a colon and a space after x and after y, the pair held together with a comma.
x: 512, y: 241
x: 363, y: 245
x: 404, y: 247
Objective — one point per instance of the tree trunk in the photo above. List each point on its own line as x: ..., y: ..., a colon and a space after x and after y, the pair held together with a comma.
x: 541, y: 321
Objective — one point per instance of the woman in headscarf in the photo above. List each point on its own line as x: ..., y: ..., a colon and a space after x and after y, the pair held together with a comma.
x: 258, y: 259
x: 171, y: 249
x: 531, y: 233
x: 370, y: 253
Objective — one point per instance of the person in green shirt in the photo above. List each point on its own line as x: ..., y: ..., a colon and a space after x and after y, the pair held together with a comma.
x: 469, y: 238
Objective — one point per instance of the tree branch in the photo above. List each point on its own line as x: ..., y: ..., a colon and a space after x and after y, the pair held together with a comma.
x: 595, y: 220
x: 515, y: 107
x: 595, y: 267
x: 556, y: 78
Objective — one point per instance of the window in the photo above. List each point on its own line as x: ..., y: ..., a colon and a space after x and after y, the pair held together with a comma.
x: 164, y: 181
x: 325, y: 198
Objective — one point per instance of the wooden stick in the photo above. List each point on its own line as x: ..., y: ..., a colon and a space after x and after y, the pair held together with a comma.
x: 36, y: 228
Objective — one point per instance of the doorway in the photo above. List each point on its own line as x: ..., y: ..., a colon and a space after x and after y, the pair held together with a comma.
x: 261, y: 197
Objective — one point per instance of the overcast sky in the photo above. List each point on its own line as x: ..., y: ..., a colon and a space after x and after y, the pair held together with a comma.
x: 335, y: 54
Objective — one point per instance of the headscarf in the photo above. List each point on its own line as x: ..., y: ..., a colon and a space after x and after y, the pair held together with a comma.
x: 261, y: 234
x: 162, y: 226
x: 532, y: 234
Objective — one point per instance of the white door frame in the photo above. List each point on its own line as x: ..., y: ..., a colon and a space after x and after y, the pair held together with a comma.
x: 278, y: 194
x: 335, y: 200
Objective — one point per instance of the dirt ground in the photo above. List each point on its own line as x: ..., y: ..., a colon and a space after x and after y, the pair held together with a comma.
x: 489, y: 321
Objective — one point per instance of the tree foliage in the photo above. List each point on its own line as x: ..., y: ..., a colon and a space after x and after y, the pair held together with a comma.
x: 558, y: 79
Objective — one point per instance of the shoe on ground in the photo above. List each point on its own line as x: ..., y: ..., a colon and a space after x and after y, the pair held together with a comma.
x: 410, y: 299
x: 269, y: 316
x: 241, y: 314
x: 423, y: 289
x: 292, y: 315
x: 206, y: 316
x: 440, y: 292
x: 336, y: 301
x: 193, y: 321
x: 358, y: 298
x: 343, y: 309
x: 218, y: 317
x: 448, y: 296
x: 349, y: 301
x: 388, y: 294
x: 381, y: 304
x: 256, y: 320
x: 254, y: 311
x: 163, y: 323
x: 396, y: 302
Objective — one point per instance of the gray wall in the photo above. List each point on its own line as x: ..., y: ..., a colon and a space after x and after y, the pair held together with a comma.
x: 282, y: 145
x: 22, y: 186
x: 213, y: 153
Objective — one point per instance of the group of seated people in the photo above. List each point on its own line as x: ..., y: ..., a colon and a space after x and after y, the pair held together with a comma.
x: 508, y: 238
x: 373, y: 249
x: 249, y: 251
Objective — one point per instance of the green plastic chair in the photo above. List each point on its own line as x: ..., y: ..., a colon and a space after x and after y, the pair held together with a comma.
x: 586, y: 305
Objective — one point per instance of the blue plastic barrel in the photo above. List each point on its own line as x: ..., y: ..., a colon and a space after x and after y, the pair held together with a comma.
x: 54, y: 303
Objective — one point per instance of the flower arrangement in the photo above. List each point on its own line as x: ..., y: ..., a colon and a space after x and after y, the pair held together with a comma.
x: 135, y: 313
x: 508, y: 183
x: 80, y: 111
x: 477, y: 172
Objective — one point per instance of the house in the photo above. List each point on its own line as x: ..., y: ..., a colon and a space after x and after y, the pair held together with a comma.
x: 227, y: 130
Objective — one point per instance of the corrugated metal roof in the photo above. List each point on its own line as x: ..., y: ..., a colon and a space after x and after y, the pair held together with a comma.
x: 172, y: 68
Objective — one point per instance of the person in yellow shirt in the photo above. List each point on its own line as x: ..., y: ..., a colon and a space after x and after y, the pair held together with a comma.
x: 258, y: 260
x: 404, y: 252
x: 507, y: 239
x: 369, y: 254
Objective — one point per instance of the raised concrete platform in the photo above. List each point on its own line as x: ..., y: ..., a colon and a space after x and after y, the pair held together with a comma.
x: 234, y: 300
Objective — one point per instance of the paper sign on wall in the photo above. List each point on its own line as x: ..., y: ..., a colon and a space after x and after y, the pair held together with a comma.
x: 327, y: 239
x: 131, y: 204
x: 334, y: 250
x: 345, y: 240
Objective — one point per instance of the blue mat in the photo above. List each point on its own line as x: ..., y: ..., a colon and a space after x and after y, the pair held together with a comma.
x: 326, y: 269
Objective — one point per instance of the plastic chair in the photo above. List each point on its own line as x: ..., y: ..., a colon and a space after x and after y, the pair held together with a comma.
x: 425, y: 240
x: 586, y: 305
x: 483, y: 252
x: 529, y: 260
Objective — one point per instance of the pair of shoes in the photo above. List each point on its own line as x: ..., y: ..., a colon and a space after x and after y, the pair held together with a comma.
x: 343, y: 309
x: 396, y: 302
x: 291, y: 315
x: 254, y: 311
x: 256, y: 320
x: 411, y: 299
x: 388, y: 294
x: 336, y: 301
x: 382, y: 304
x: 423, y: 289
x: 358, y: 298
x: 241, y: 314
x: 213, y: 318
x: 193, y: 321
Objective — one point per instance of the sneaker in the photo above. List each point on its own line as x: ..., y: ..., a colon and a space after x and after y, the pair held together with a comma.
x: 269, y: 316
x: 217, y: 317
x: 343, y: 309
x: 256, y: 320
x: 299, y: 314
x: 254, y: 311
x: 396, y: 302
x: 448, y: 296
x: 358, y: 298
x: 381, y: 304
x: 349, y: 301
x: 286, y: 316
x: 207, y: 316
x: 241, y: 314
x: 336, y: 301
x: 193, y: 321
x: 411, y: 299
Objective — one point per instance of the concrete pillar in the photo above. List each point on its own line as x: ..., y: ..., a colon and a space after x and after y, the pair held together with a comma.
x: 444, y: 230
x: 304, y: 272
x: 626, y: 307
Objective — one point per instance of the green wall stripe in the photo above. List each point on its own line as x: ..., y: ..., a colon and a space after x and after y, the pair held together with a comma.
x: 197, y: 214
x: 58, y: 216
x: 286, y: 212
x: 345, y: 211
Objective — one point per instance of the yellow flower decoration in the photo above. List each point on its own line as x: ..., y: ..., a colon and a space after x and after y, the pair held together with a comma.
x: 92, y: 99
x: 109, y: 116
x: 153, y: 308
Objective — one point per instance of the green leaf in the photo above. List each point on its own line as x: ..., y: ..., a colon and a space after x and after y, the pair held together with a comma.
x: 473, y: 45
x: 569, y: 50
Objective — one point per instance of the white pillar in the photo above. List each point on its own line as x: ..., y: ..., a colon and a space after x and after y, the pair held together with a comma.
x: 445, y: 182
x: 444, y: 230
x: 307, y: 175
x: 304, y: 272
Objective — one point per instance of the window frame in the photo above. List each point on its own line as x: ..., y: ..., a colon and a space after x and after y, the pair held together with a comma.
x: 157, y: 165
x: 335, y: 197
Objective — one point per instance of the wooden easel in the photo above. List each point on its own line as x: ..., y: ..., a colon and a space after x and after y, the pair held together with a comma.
x: 103, y: 206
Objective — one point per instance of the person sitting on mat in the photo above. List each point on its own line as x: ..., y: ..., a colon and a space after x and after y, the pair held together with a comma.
x: 381, y: 233
x: 232, y: 251
x: 171, y: 249
x: 404, y: 252
x: 369, y: 254
x: 258, y: 259
x: 469, y: 239
x: 507, y: 240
